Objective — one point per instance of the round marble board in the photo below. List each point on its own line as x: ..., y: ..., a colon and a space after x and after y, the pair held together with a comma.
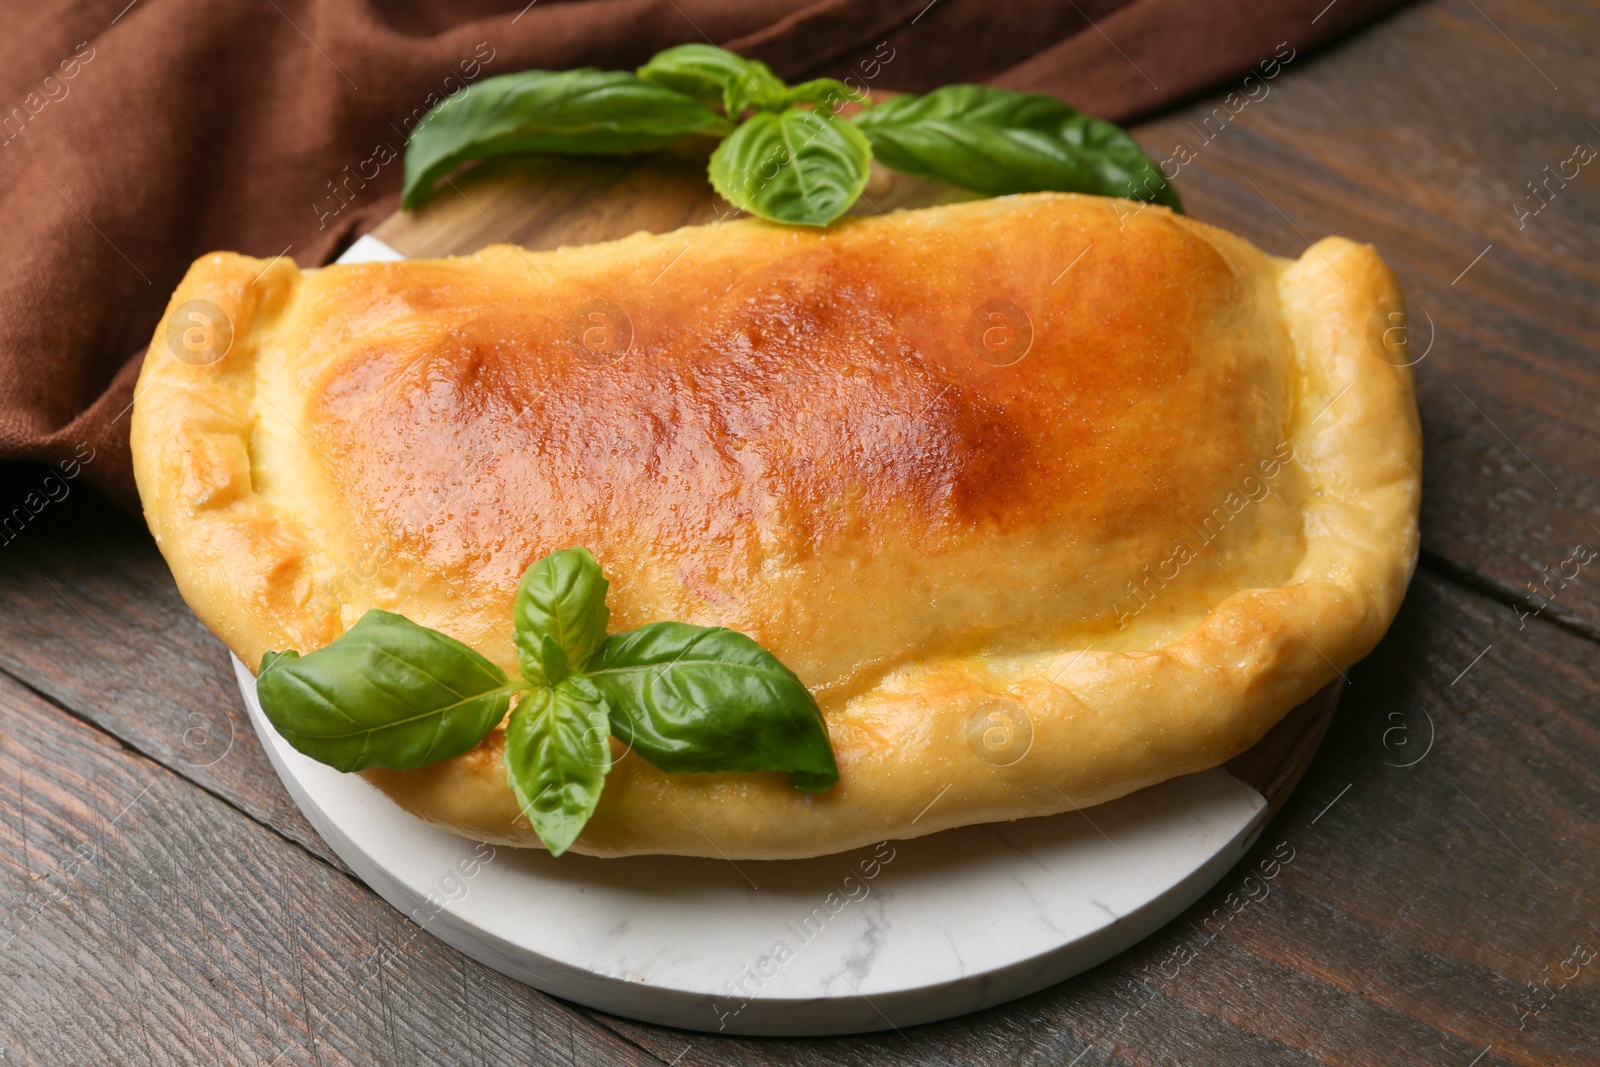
x: 887, y: 937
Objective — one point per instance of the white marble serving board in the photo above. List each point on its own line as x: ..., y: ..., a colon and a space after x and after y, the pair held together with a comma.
x: 905, y: 933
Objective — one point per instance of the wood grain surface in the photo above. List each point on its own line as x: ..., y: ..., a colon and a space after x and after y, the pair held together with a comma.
x: 1423, y: 896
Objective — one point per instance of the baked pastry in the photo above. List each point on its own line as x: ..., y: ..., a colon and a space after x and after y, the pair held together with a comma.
x: 1045, y: 497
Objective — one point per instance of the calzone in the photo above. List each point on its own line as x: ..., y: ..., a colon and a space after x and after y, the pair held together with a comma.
x: 1046, y: 498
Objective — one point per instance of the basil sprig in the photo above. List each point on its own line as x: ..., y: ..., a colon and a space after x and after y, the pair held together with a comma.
x: 391, y: 693
x: 787, y: 153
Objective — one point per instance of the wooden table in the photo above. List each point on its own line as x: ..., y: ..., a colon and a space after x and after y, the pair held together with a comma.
x: 161, y: 899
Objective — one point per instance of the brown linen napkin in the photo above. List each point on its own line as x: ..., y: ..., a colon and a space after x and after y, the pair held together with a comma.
x: 135, y: 137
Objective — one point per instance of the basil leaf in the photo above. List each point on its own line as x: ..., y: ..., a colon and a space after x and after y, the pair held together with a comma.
x: 561, y: 599
x: 689, y: 698
x: 827, y: 92
x: 553, y: 662
x: 269, y: 658
x: 585, y: 111
x: 558, y: 750
x: 388, y: 693
x: 997, y: 142
x: 700, y: 71
x: 797, y: 166
x: 759, y: 88
x: 714, y: 76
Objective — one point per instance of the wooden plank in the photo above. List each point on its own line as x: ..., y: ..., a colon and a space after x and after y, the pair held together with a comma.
x: 90, y: 618
x: 147, y: 922
x: 1420, y: 135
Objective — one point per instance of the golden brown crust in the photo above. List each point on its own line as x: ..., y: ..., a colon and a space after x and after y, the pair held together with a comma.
x: 1013, y: 588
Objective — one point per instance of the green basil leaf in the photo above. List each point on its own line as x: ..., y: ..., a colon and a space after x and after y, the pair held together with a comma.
x: 558, y: 750
x: 997, y: 142
x: 269, y: 658
x: 798, y: 166
x: 553, y: 662
x: 388, y: 693
x: 808, y: 782
x: 759, y: 88
x: 584, y: 112
x: 824, y: 92
x: 700, y: 71
x: 715, y: 77
x: 561, y: 597
x: 689, y: 698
